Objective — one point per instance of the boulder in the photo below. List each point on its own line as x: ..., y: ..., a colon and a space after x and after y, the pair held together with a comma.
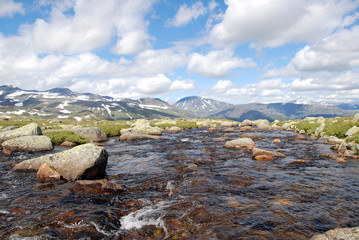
x: 134, y: 135
x: 143, y: 126
x: 47, y: 172
x: 338, y: 233
x: 276, y: 140
x: 27, y: 130
x: 238, y: 143
x: 27, y: 144
x: 94, y: 134
x: 356, y: 117
x: 86, y: 161
x: 229, y: 124
x: 175, y: 129
x: 261, y: 152
x: 352, y: 131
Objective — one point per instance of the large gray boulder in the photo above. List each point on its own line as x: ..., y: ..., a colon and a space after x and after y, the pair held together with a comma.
x: 27, y: 144
x: 338, y: 234
x: 86, y: 161
x: 94, y: 134
x: 27, y: 130
x: 241, y: 142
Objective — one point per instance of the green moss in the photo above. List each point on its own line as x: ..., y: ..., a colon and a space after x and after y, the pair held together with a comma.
x: 307, y: 126
x: 60, y: 137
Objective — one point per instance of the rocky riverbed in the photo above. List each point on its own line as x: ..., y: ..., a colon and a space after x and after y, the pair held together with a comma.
x: 189, y: 186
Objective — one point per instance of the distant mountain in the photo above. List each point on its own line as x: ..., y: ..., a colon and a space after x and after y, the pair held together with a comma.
x: 62, y: 103
x: 282, y: 111
x: 201, y: 107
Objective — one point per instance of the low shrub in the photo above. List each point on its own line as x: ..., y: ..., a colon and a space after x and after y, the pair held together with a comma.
x: 187, y: 125
x: 113, y: 130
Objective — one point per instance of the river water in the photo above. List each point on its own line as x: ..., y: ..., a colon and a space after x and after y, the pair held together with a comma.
x: 189, y: 187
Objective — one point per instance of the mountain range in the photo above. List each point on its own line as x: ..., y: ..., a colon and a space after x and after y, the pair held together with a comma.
x: 62, y: 103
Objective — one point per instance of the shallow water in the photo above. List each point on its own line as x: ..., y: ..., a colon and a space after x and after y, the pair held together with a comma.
x: 189, y: 187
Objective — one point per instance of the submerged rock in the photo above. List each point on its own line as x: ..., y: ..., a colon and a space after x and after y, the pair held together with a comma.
x: 27, y: 130
x: 97, y: 187
x: 27, y: 144
x: 86, y: 161
x: 261, y: 152
x: 94, y: 134
x: 339, y: 233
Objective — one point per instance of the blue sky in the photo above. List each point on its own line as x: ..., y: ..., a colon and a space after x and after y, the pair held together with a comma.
x: 236, y: 51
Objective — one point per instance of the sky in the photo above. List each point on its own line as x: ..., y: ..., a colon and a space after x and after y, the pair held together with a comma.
x: 236, y: 51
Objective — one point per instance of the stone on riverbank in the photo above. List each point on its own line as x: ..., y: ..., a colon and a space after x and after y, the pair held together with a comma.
x: 143, y: 126
x: 94, y: 134
x: 27, y: 130
x: 47, y: 172
x: 175, y: 129
x: 134, y: 135
x: 86, y: 161
x: 339, y: 233
x: 239, y: 143
x: 27, y: 144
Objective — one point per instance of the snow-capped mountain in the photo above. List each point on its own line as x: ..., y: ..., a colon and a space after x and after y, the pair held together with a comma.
x: 62, y: 103
x: 201, y: 107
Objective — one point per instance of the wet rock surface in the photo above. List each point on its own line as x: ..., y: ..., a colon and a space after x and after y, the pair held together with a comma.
x: 189, y: 187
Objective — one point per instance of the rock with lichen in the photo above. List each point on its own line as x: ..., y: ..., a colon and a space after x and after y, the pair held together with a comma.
x: 27, y: 130
x: 86, y: 161
x: 27, y: 144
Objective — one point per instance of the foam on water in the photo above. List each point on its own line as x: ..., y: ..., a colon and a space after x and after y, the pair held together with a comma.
x: 149, y: 215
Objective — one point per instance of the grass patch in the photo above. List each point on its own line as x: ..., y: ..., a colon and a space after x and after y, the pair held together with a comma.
x: 113, y: 130
x: 187, y: 125
x: 60, y: 137
x: 339, y: 127
x: 165, y: 125
x: 307, y: 126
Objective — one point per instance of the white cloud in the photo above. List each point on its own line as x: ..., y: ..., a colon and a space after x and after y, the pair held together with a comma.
x: 185, y: 14
x: 178, y: 85
x: 223, y: 85
x: 338, y: 52
x: 217, y: 64
x: 154, y: 85
x: 90, y: 28
x: 273, y: 23
x: 8, y: 8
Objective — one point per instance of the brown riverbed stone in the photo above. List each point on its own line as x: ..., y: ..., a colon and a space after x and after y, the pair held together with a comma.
x: 47, y: 172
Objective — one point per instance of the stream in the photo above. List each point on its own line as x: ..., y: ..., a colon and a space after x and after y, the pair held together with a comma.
x: 189, y: 187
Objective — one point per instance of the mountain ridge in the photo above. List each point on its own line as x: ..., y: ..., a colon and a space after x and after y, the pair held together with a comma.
x: 62, y: 103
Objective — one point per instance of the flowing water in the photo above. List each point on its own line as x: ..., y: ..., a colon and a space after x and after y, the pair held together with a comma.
x: 189, y: 187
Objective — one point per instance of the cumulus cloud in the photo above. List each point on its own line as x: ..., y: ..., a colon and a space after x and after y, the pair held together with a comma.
x: 273, y: 23
x: 179, y: 85
x: 185, y: 14
x: 88, y: 28
x: 154, y: 85
x: 217, y: 64
x: 8, y: 8
x: 223, y: 85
